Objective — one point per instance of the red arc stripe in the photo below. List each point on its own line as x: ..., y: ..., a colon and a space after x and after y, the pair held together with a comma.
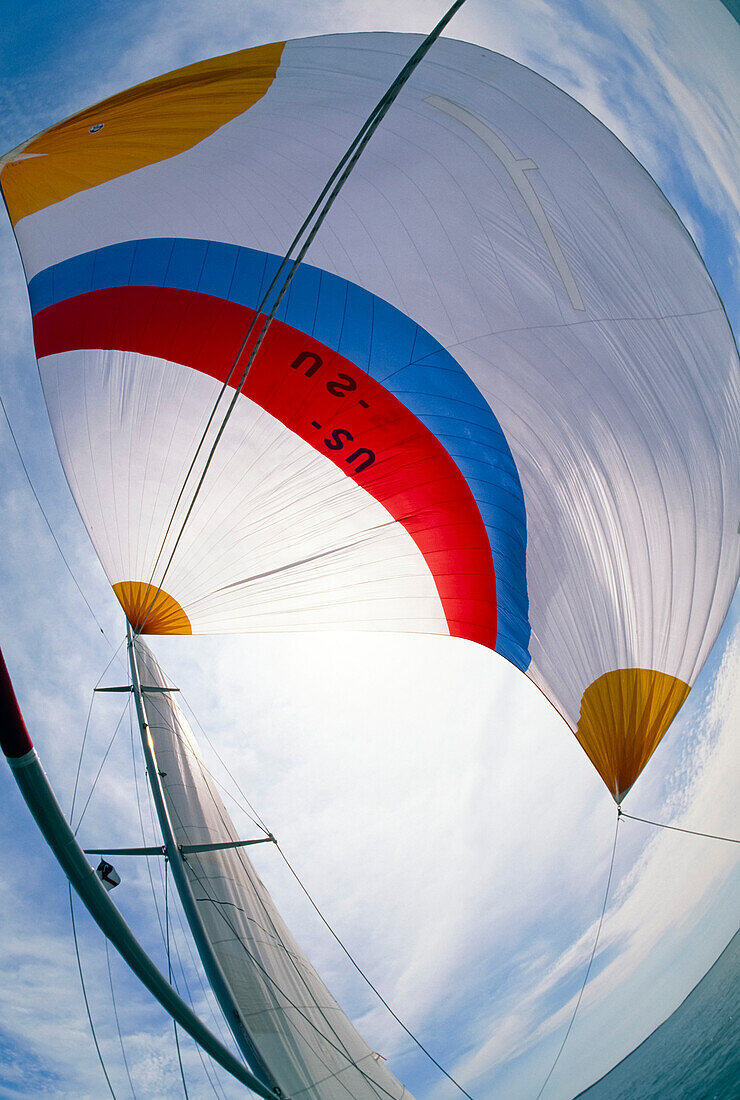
x: 324, y: 398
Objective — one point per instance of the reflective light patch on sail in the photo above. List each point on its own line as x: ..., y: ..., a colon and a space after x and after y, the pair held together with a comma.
x: 499, y: 400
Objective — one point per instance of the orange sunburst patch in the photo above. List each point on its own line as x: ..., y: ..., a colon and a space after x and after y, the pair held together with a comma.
x: 151, y: 610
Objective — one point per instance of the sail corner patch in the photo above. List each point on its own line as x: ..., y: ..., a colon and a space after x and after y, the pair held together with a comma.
x: 624, y: 714
x: 151, y: 610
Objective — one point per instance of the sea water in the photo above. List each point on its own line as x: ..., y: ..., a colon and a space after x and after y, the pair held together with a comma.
x: 695, y: 1054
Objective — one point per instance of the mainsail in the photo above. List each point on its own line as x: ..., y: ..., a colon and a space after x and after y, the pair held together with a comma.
x: 297, y: 1028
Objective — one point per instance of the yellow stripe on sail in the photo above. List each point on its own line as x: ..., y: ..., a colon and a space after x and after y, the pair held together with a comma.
x: 143, y: 125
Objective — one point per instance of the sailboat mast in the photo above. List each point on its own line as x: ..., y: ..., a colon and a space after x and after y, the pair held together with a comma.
x: 211, y: 965
x: 41, y: 801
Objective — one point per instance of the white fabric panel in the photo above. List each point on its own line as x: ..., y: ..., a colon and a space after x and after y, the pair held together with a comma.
x: 491, y: 207
x: 280, y: 535
x: 300, y: 1031
x: 632, y: 532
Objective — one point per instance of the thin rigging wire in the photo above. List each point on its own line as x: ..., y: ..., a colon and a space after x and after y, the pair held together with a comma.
x: 162, y: 931
x: 373, y: 1084
x: 87, y: 724
x: 678, y: 829
x: 84, y: 992
x: 267, y: 915
x: 115, y: 1013
x: 294, y: 873
x: 590, y: 961
x: 102, y: 764
x: 216, y: 1017
x: 171, y: 727
x: 141, y: 825
x: 365, y: 978
x: 48, y: 524
x: 328, y: 195
x: 169, y: 972
x: 219, y: 909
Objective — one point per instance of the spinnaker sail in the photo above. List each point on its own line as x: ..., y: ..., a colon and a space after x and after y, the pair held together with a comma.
x: 498, y: 400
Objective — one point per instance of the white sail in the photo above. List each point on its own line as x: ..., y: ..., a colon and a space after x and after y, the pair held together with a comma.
x: 298, y: 1029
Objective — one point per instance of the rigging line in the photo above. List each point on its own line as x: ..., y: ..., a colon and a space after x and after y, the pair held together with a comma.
x: 219, y: 909
x: 300, y: 976
x: 216, y: 1017
x: 246, y: 865
x: 257, y: 818
x: 364, y: 134
x: 191, y: 1001
x: 102, y: 764
x: 218, y: 903
x: 87, y: 723
x: 84, y: 992
x: 327, y: 197
x: 590, y: 961
x: 141, y: 825
x: 678, y: 829
x: 115, y: 1013
x: 365, y: 978
x: 169, y: 973
x: 48, y: 524
x: 254, y: 816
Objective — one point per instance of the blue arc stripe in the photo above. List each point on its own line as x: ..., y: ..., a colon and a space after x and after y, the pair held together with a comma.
x: 368, y: 331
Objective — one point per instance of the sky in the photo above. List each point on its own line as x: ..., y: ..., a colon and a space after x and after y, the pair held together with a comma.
x: 446, y: 821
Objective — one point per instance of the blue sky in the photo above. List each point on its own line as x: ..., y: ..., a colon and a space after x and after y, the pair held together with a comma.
x: 466, y: 878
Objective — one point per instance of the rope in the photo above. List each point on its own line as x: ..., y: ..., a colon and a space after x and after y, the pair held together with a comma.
x: 84, y: 735
x: 220, y: 910
x: 48, y: 524
x: 293, y: 872
x: 169, y: 974
x: 365, y: 978
x: 216, y: 1018
x: 115, y: 1013
x: 327, y: 197
x: 590, y: 962
x: 678, y: 829
x: 143, y: 832
x: 102, y: 764
x: 84, y: 992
